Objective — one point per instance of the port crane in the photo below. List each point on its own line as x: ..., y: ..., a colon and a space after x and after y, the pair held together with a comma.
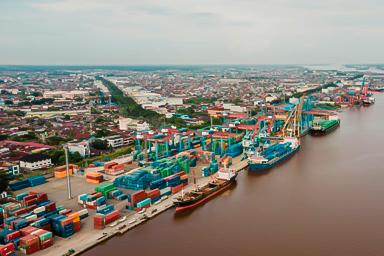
x: 292, y: 126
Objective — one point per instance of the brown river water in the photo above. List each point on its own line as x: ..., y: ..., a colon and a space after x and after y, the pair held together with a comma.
x: 327, y: 200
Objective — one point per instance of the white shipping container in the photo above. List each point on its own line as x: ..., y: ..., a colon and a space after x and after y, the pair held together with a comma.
x: 31, y: 217
x: 39, y: 209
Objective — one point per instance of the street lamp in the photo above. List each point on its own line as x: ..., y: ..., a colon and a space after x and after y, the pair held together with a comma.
x: 68, y: 176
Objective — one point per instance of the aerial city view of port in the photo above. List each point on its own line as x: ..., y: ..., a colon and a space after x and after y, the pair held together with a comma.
x: 245, y: 142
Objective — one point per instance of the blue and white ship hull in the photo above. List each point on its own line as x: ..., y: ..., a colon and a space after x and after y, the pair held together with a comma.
x: 258, y: 166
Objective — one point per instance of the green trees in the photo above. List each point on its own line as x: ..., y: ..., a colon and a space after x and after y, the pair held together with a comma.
x: 129, y: 107
x: 4, y: 180
x: 58, y: 156
x: 100, y: 144
x: 55, y: 140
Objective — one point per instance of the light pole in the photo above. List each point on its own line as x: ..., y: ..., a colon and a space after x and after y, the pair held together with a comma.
x: 67, y: 169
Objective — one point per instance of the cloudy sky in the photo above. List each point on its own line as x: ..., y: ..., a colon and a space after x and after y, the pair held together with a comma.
x: 191, y: 31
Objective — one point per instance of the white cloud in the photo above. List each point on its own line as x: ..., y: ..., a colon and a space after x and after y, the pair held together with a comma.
x: 191, y: 31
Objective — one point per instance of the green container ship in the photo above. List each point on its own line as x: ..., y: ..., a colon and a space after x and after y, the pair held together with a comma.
x: 324, y: 127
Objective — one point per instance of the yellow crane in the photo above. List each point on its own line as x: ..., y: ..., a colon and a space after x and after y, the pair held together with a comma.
x: 292, y: 125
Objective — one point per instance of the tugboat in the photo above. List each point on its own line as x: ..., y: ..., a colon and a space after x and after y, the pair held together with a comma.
x: 200, y: 195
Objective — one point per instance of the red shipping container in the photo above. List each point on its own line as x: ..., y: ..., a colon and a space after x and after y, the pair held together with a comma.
x: 47, y: 227
x: 66, y: 212
x: 29, y: 197
x: 153, y: 193
x: 42, y: 197
x: 176, y: 189
x: 66, y: 221
x: 77, y: 226
x: 28, y: 230
x: 13, y: 235
x: 97, y: 194
x: 30, y: 202
x: 138, y: 196
x: 29, y: 244
x: 31, y: 207
x: 109, y: 165
x: 47, y: 243
x: 21, y: 211
x: 118, y: 167
x: 50, y: 207
x: 7, y: 249
x: 111, y: 217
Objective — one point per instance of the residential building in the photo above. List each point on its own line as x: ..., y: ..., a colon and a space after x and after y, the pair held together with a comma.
x: 35, y: 162
x: 82, y: 148
x: 115, y: 141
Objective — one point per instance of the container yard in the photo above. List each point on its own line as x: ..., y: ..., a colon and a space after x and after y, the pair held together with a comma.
x: 169, y: 167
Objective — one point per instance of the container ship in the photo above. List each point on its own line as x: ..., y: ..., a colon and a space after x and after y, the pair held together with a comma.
x: 324, y: 127
x: 200, y: 195
x: 274, y: 155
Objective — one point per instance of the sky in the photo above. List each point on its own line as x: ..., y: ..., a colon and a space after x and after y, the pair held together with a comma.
x: 137, y: 32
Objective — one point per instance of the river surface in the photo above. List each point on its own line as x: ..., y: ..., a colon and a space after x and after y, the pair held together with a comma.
x: 327, y: 200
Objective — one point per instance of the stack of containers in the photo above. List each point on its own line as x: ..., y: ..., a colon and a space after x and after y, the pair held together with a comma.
x: 214, y: 166
x: 136, y: 197
x: 98, y: 221
x: 139, y: 179
x: 3, y: 234
x: 115, y: 169
x: 105, y: 188
x: 154, y: 195
x: 19, y: 224
x: 184, y: 179
x: 205, y: 171
x: 75, y: 216
x: 62, y: 226
x: 45, y: 238
x: 17, y: 185
x: 165, y: 192
x: 111, y: 217
x: 13, y: 237
x: 36, y: 180
x: 160, y: 184
x: 235, y: 150
x: 42, y: 223
x: 61, y: 171
x: 1, y: 217
x: 94, y: 177
x: 143, y: 204
x: 109, y: 165
x: 29, y: 244
x: 105, y: 209
x: 7, y: 250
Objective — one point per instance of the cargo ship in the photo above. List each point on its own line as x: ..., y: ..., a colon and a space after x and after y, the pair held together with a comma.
x: 274, y: 155
x: 324, y: 127
x: 202, y: 194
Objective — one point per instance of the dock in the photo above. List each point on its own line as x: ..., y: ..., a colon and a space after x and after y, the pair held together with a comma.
x: 89, y: 237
